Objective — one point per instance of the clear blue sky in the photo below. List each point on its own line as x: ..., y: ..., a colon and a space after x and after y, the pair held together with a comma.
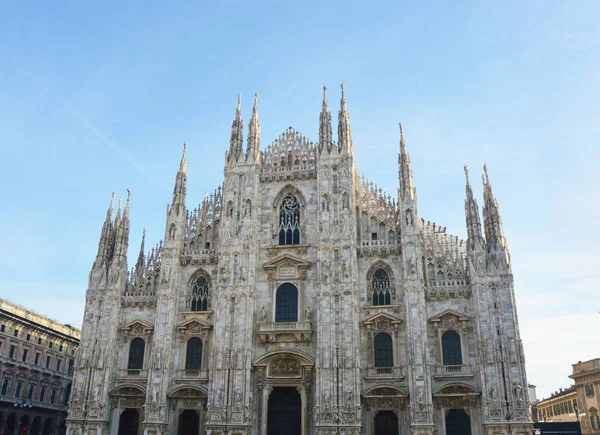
x: 100, y: 97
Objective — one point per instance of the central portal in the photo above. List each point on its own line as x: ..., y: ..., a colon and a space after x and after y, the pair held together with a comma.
x: 285, y: 412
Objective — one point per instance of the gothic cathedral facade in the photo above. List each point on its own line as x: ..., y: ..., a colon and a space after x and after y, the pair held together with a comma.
x: 300, y: 299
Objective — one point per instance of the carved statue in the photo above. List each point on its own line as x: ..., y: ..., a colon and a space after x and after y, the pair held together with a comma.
x: 307, y: 313
x: 494, y: 396
x: 512, y: 345
x: 518, y: 393
x: 263, y: 314
x: 157, y: 358
x: 238, y: 396
x: 95, y: 393
x: 421, y: 397
x: 409, y: 217
x: 349, y: 399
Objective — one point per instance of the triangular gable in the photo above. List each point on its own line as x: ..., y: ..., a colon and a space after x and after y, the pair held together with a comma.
x: 382, y: 316
x: 194, y: 324
x: 286, y: 260
x: 138, y: 326
x: 461, y: 317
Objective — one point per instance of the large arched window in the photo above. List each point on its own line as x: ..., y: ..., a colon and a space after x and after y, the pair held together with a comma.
x: 384, y: 350
x: 451, y: 351
x: 380, y: 286
x: 193, y: 357
x: 4, y: 387
x: 136, y: 354
x: 200, y: 294
x: 286, y: 303
x: 289, y: 221
x: 18, y: 389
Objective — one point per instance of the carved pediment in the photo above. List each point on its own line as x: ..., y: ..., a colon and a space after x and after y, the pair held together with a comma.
x: 286, y: 266
x: 195, y: 325
x: 456, y: 390
x: 286, y: 260
x: 449, y: 314
x: 382, y: 321
x: 129, y: 390
x: 385, y: 391
x: 138, y: 327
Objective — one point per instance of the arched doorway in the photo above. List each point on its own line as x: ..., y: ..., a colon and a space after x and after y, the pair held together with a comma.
x: 285, y: 412
x: 24, y: 427
x: 11, y: 423
x: 47, y: 429
x: 189, y: 422
x: 386, y: 423
x: 129, y: 422
x: 36, y: 426
x: 458, y: 422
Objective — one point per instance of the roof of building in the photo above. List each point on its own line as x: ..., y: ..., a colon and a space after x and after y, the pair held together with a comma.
x: 30, y: 316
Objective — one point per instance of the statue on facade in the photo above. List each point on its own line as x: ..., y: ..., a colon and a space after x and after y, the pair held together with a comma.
x: 307, y: 314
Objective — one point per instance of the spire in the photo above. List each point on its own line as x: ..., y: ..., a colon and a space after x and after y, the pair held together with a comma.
x: 180, y: 183
x: 407, y: 190
x: 237, y: 134
x: 107, y: 229
x: 472, y: 214
x: 491, y: 214
x: 122, y: 230
x: 344, y: 133
x: 141, y: 258
x: 325, y: 134
x: 126, y: 211
x: 254, y: 132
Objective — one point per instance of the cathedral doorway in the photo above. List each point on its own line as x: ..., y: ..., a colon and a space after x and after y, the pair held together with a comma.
x: 458, y: 422
x: 386, y: 423
x: 129, y: 422
x: 285, y: 412
x: 189, y: 422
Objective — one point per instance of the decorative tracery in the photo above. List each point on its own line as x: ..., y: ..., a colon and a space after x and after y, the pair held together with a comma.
x: 381, y: 288
x: 289, y: 221
x: 200, y: 295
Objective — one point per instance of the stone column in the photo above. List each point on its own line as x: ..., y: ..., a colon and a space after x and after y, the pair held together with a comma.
x: 265, y: 408
x: 302, y: 390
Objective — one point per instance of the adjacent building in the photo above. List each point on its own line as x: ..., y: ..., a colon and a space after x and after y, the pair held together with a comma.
x: 587, y: 384
x: 299, y: 298
x: 561, y: 406
x: 37, y: 361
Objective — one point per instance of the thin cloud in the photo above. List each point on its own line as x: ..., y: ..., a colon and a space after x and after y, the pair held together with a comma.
x: 89, y: 125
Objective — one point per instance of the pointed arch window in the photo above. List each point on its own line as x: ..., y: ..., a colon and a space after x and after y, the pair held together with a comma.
x: 384, y: 350
x: 286, y: 303
x: 380, y: 286
x: 451, y: 349
x: 289, y: 221
x: 200, y: 294
x: 193, y: 357
x: 136, y: 354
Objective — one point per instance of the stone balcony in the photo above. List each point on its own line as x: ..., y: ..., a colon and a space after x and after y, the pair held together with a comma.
x: 198, y: 256
x: 132, y: 375
x: 191, y: 377
x: 453, y: 372
x: 381, y: 248
x: 385, y: 374
x: 285, y: 332
x: 447, y: 290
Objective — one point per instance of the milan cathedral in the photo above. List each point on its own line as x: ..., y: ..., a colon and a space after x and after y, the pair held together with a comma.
x: 299, y: 298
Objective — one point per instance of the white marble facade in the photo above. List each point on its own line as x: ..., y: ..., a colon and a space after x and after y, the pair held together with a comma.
x: 318, y: 300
